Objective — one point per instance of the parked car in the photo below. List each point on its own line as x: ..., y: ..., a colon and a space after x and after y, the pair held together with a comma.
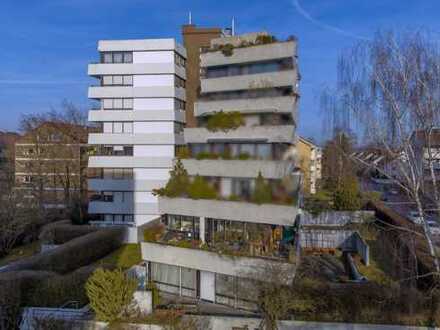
x: 415, y: 217
x: 394, y: 192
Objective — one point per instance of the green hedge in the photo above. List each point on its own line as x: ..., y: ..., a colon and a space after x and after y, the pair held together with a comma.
x: 63, y: 233
x: 74, y: 254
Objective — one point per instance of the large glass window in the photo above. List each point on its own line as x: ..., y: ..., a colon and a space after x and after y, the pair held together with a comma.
x: 117, y: 80
x: 183, y: 224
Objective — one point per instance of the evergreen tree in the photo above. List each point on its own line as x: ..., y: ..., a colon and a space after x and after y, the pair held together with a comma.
x: 347, y: 196
x: 262, y: 193
x: 177, y: 184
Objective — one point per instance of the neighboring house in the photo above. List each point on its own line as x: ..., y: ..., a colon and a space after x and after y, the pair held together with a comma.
x: 194, y: 39
x: 211, y: 246
x: 51, y: 164
x: 7, y: 154
x: 141, y: 112
x: 310, y: 162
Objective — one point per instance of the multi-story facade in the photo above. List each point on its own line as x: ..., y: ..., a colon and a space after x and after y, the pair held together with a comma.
x: 310, y: 162
x: 238, y: 214
x: 50, y: 165
x: 194, y: 39
x: 7, y: 158
x: 141, y: 96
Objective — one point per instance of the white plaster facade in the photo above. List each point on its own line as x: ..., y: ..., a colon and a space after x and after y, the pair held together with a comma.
x: 142, y: 100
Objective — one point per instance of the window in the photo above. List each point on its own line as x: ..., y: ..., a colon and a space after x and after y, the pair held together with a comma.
x: 118, y: 127
x: 264, y: 151
x: 179, y: 104
x: 110, y: 150
x: 117, y: 80
x: 179, y: 82
x: 179, y: 59
x: 178, y: 128
x: 118, y: 104
x: 117, y: 57
x: 107, y: 196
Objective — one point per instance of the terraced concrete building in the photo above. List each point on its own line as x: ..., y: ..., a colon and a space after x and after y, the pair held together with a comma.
x: 141, y: 102
x: 235, y: 213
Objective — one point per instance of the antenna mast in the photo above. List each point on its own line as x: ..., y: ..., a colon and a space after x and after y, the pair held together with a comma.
x: 233, y: 26
x: 190, y: 18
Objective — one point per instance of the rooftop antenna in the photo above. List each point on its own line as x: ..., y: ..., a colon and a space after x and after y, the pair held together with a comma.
x: 233, y: 26
x: 190, y: 18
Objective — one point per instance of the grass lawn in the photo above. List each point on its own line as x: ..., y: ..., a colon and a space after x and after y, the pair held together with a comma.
x: 126, y: 256
x: 21, y: 252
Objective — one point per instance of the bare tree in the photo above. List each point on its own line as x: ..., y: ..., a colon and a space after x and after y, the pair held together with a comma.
x: 390, y: 89
x: 54, y: 158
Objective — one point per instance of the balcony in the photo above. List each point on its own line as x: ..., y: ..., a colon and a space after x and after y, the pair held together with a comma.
x: 281, y: 104
x: 269, y: 169
x: 130, y: 162
x: 137, y: 115
x: 251, y: 81
x: 220, y: 209
x: 267, y: 134
x: 276, y: 50
x: 124, y: 185
x: 132, y: 139
x: 100, y: 207
x: 100, y: 92
x: 101, y: 69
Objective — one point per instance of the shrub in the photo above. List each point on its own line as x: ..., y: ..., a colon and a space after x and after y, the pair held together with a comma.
x: 177, y: 183
x: 63, y: 233
x: 201, y: 189
x: 153, y: 233
x: 262, y: 193
x: 244, y: 156
x: 76, y: 253
x: 224, y: 121
x: 227, y: 50
x: 125, y: 257
x: 206, y: 155
x: 183, y: 152
x: 110, y: 294
x: 265, y: 39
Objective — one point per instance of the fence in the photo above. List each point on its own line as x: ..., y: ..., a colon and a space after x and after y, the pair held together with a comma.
x: 335, y: 218
x: 345, y: 240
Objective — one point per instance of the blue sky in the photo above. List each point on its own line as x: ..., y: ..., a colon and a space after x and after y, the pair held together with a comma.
x: 47, y: 44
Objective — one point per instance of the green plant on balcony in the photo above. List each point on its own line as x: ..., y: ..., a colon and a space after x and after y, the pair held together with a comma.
x: 227, y: 50
x: 206, y: 155
x: 265, y: 39
x: 153, y: 234
x: 262, y: 192
x: 183, y: 152
x: 244, y: 156
x: 177, y: 184
x: 201, y: 189
x: 224, y: 121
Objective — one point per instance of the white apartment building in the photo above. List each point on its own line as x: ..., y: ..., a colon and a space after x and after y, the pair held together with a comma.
x: 141, y: 97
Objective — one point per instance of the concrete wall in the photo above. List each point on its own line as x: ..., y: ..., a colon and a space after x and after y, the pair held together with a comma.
x: 238, y: 168
x: 251, y: 81
x: 213, y: 262
x: 238, y: 211
x: 279, y: 104
x: 269, y: 134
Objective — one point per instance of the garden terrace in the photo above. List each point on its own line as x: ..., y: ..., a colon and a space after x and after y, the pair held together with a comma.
x: 225, y: 237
